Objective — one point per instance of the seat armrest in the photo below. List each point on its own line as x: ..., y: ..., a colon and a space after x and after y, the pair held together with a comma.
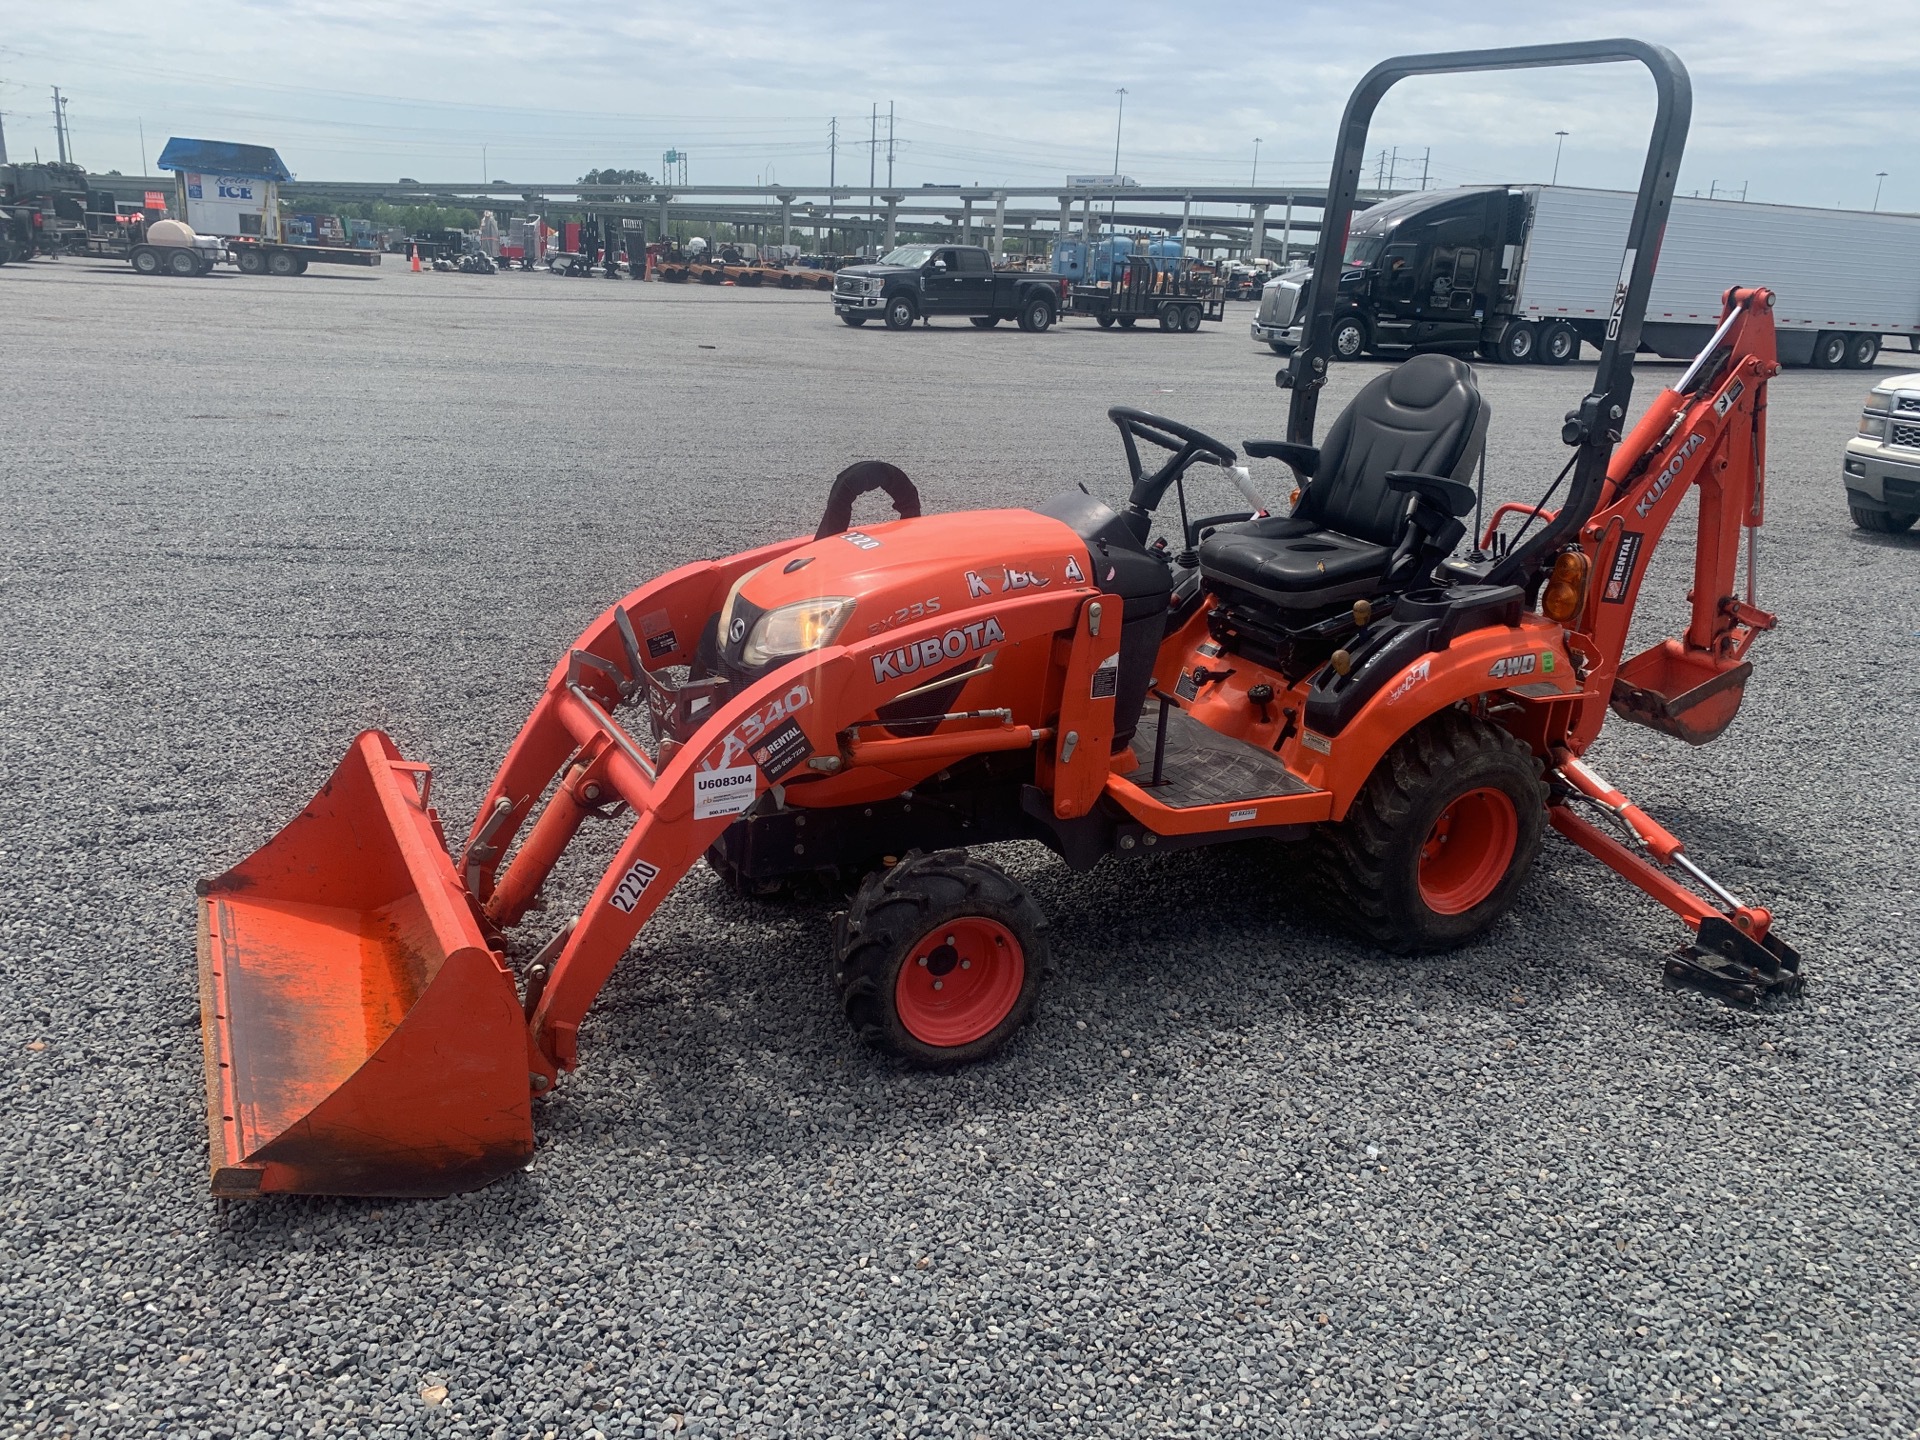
x: 1453, y: 497
x: 1304, y: 460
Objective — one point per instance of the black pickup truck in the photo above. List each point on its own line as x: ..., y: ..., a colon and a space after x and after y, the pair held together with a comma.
x: 916, y: 282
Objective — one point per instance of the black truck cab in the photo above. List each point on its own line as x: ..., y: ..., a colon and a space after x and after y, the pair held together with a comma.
x: 916, y: 282
x: 1425, y: 273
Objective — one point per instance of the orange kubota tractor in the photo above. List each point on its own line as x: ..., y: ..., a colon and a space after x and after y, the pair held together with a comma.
x: 824, y: 705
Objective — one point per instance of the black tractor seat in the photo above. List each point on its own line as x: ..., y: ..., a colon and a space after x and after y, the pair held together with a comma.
x: 1380, y: 502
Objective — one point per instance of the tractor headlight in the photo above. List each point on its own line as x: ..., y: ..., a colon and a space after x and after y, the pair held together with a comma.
x: 796, y: 629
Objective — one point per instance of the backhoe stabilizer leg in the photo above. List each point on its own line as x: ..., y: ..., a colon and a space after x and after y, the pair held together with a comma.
x: 1733, y: 954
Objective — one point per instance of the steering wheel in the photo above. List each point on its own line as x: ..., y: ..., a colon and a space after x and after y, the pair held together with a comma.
x: 1187, y: 445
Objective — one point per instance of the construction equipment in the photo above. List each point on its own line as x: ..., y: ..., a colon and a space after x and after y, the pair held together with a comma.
x: 860, y: 703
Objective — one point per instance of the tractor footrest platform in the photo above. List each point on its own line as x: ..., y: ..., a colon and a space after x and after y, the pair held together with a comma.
x: 1203, y: 767
x: 1732, y: 965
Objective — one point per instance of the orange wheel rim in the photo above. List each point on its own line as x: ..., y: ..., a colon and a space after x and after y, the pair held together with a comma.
x: 959, y: 981
x: 1467, y: 853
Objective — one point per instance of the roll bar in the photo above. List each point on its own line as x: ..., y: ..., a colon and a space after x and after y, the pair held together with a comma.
x: 1595, y: 428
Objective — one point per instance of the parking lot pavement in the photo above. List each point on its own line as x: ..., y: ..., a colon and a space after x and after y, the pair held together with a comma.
x: 1240, y: 1175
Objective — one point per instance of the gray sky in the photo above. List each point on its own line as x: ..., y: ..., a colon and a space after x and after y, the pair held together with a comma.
x: 1802, y: 102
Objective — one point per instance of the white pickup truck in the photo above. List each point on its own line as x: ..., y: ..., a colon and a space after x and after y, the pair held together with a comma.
x: 1881, y: 468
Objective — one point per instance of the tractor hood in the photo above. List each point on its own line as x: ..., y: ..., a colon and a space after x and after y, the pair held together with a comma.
x: 896, y: 574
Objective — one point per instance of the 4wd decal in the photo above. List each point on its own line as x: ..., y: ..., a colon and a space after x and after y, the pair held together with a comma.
x: 861, y: 541
x: 1620, y: 575
x: 1667, y: 476
x: 632, y: 886
x: 785, y: 746
x: 727, y: 791
x: 760, y: 723
x: 960, y: 640
x: 1412, y: 678
x: 1512, y: 665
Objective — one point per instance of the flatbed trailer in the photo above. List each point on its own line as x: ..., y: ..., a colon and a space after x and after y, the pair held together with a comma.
x: 1176, y: 295
x: 276, y: 257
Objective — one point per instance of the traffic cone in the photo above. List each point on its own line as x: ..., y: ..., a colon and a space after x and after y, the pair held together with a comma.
x: 415, y: 250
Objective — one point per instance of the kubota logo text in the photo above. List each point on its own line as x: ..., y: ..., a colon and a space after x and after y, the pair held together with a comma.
x: 935, y: 648
x: 1668, y: 476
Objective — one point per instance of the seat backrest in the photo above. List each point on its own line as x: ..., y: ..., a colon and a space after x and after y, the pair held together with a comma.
x: 1425, y: 414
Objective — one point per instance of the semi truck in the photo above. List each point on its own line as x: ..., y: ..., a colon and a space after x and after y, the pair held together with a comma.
x: 1529, y: 273
x: 232, y: 192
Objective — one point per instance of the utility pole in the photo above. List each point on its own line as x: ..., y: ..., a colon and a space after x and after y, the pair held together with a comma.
x: 1256, y: 161
x: 833, y: 171
x: 1558, y: 144
x: 3, y: 138
x: 60, y: 124
x: 143, y: 148
x: 1425, y: 161
x: 1113, y: 205
x: 1879, y: 179
x: 873, y: 146
x: 1393, y: 169
x: 889, y: 144
x: 1380, y: 174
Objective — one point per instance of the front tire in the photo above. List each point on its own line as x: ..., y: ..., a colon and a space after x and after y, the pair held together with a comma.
x: 1280, y: 348
x: 1519, y: 343
x: 1350, y: 338
x: 1103, y: 320
x: 1881, y: 522
x: 146, y: 261
x: 983, y: 322
x: 1440, y: 838
x: 856, y: 321
x: 900, y: 313
x: 938, y: 961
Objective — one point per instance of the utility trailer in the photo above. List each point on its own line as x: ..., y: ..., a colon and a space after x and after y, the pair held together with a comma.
x: 232, y: 192
x: 1528, y: 274
x: 1172, y: 291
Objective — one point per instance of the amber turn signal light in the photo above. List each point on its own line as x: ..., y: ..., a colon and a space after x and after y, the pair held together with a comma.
x: 1566, y: 586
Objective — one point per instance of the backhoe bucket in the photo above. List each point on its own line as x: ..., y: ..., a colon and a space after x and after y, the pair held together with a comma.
x: 361, y: 1038
x: 1680, y: 692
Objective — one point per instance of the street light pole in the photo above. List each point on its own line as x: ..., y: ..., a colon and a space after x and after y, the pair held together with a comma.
x: 1256, y: 161
x: 1558, y: 144
x: 1879, y: 179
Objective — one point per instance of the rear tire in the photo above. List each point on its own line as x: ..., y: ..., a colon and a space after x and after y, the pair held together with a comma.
x: 1440, y: 838
x: 1126, y: 322
x: 1862, y: 351
x: 1519, y: 343
x: 281, y: 263
x: 938, y: 961
x: 1881, y: 522
x: 1037, y: 316
x: 250, y: 261
x: 1190, y: 318
x: 1829, y: 350
x: 900, y: 313
x: 182, y: 263
x: 146, y: 261
x: 1559, y: 343
x: 1350, y: 338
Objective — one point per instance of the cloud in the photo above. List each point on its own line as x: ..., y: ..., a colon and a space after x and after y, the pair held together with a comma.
x: 1796, y: 99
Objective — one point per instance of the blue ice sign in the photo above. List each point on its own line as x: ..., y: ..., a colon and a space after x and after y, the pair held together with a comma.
x: 193, y: 187
x: 232, y: 189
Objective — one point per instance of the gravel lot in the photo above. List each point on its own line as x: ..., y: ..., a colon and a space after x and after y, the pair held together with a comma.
x: 1241, y: 1176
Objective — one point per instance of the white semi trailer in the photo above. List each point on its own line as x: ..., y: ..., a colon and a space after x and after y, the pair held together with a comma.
x: 1528, y: 273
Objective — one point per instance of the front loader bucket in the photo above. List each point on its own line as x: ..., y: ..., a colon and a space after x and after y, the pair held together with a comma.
x: 1680, y: 692
x: 361, y: 1038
